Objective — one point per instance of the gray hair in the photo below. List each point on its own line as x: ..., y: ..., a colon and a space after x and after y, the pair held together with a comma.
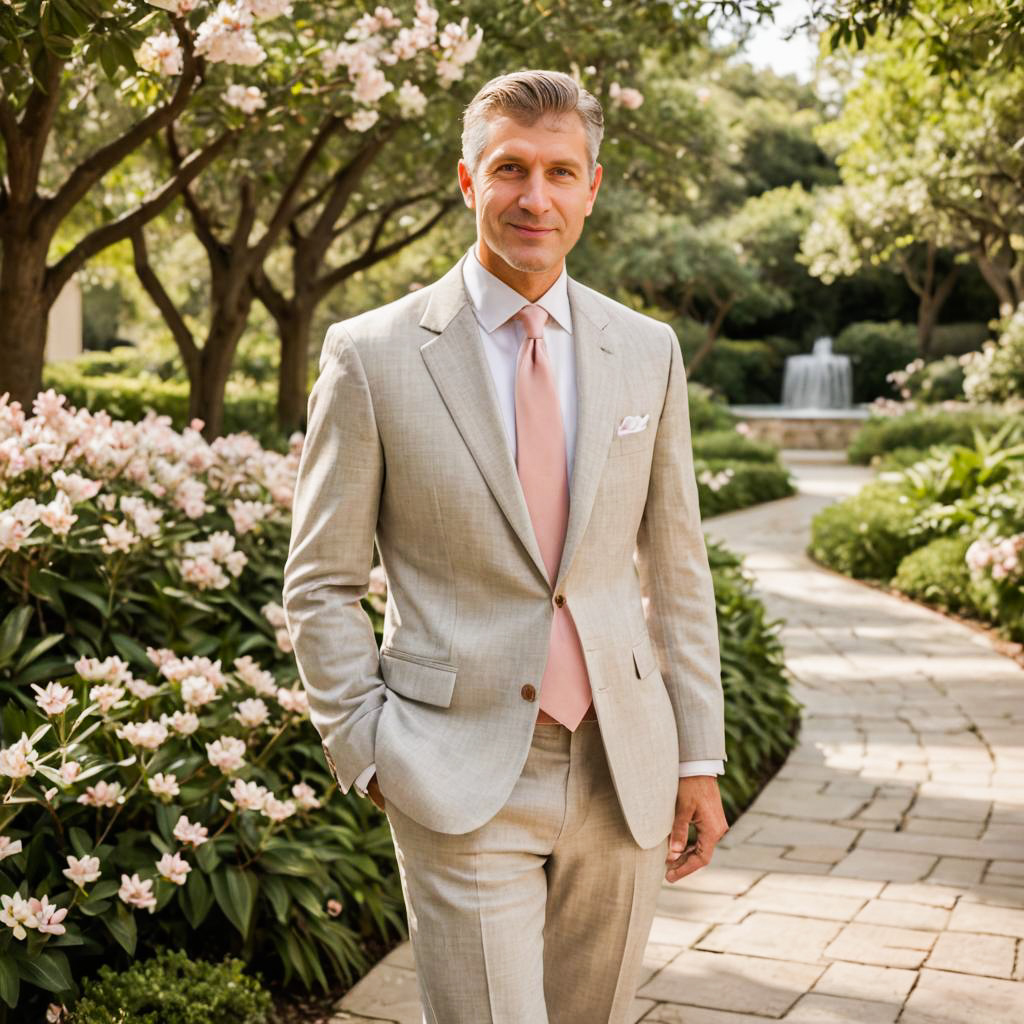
x: 526, y: 96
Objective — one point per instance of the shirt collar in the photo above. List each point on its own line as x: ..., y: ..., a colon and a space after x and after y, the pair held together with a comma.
x: 494, y: 302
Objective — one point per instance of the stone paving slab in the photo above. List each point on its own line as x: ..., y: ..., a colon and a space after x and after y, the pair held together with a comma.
x: 879, y: 877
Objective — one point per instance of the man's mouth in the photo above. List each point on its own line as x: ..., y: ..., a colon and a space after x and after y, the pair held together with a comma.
x: 536, y: 232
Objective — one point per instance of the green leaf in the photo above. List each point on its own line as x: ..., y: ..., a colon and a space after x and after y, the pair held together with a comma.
x: 195, y: 898
x: 38, y: 648
x: 12, y: 631
x: 208, y: 858
x: 49, y: 970
x: 9, y: 982
x: 121, y: 925
x: 235, y: 891
x: 131, y: 650
x: 276, y: 892
x: 86, y: 593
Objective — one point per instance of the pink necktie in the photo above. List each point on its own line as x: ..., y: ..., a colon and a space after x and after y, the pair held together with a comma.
x: 544, y: 475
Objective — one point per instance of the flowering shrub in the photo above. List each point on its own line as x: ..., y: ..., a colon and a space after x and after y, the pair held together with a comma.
x: 162, y: 784
x: 940, y: 380
x: 996, y: 373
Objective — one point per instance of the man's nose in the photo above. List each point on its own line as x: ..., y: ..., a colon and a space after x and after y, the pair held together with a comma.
x: 535, y: 197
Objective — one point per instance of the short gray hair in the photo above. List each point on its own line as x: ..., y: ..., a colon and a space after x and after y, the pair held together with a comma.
x: 526, y: 96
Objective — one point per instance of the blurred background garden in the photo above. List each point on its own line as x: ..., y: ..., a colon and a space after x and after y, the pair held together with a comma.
x: 192, y: 192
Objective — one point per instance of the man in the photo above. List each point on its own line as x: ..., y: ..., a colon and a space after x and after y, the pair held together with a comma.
x: 544, y: 718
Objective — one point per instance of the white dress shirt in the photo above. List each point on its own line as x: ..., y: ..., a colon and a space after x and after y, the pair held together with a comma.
x: 494, y: 304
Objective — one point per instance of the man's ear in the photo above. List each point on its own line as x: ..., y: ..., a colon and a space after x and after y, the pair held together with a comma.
x: 466, y: 185
x: 594, y: 186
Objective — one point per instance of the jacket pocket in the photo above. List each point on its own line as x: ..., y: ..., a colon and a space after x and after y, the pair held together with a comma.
x: 644, y: 659
x: 418, y: 678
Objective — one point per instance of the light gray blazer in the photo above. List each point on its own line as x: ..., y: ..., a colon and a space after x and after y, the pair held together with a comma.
x: 405, y: 444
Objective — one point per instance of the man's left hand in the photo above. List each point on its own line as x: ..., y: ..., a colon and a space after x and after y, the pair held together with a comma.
x: 698, y: 802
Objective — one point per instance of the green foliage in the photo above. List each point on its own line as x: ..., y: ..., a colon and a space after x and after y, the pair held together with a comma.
x: 941, y: 380
x: 170, y: 988
x: 761, y: 716
x: 996, y: 374
x: 740, y: 484
x: 875, y: 350
x: 937, y: 574
x: 921, y: 429
x: 707, y: 412
x: 865, y: 536
x: 746, y: 372
x: 730, y: 444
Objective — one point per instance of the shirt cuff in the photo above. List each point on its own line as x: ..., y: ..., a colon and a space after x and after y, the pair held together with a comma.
x: 363, y: 779
x: 688, y: 768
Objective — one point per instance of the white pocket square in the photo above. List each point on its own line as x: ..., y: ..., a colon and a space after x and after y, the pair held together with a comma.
x: 633, y: 424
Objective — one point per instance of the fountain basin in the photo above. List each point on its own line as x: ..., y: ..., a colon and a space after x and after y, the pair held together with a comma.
x: 821, y: 429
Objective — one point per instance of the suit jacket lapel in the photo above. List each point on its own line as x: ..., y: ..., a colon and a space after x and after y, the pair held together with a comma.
x: 597, y: 389
x: 456, y: 361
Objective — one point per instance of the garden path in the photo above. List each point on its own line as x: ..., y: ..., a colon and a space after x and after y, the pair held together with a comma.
x: 879, y: 877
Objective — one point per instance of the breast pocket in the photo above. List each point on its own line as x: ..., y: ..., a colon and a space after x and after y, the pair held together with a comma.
x: 638, y: 441
x: 418, y: 678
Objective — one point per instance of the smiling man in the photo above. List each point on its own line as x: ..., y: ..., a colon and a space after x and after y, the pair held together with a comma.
x: 543, y: 721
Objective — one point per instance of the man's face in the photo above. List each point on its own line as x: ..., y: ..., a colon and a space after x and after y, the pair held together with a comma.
x: 531, y: 194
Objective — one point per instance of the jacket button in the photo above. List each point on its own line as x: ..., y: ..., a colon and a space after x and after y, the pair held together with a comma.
x: 528, y: 692
x: 559, y: 599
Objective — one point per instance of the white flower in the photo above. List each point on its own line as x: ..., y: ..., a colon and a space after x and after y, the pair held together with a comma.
x: 293, y: 700
x: 82, y: 870
x: 118, y: 537
x: 411, y: 100
x: 284, y: 640
x: 18, y: 761
x: 252, y: 712
x: 110, y: 670
x: 164, y: 785
x: 17, y: 914
x: 161, y: 53
x: 186, y: 831
x: 249, y: 796
x: 260, y: 680
x: 246, y: 98
x: 137, y: 893
x: 226, y: 753
x: 103, y: 794
x: 174, y: 868
x: 58, y: 515
x: 182, y: 722
x: 140, y: 688
x: 54, y: 1013
x: 274, y: 614
x: 9, y: 847
x: 306, y: 796
x: 69, y: 771
x: 149, y: 734
x: 362, y: 120
x: 197, y: 691
x: 55, y: 699
x: 625, y: 97
x: 278, y: 810
x: 106, y: 695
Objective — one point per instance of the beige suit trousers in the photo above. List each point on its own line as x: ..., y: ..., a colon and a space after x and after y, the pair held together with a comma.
x: 541, y: 915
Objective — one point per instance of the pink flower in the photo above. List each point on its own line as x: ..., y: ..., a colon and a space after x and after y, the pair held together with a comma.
x: 48, y: 916
x: 174, y: 868
x: 164, y: 785
x: 54, y: 1013
x: 137, y: 893
x: 103, y: 794
x: 186, y: 831
x: 278, y: 810
x: 334, y: 908
x: 9, y: 847
x: 252, y: 712
x: 16, y: 913
x: 106, y: 695
x: 149, y: 734
x: 295, y: 701
x: 55, y: 699
x: 305, y: 796
x: 69, y: 771
x: 226, y: 753
x: 249, y: 796
x: 82, y: 870
x: 18, y: 761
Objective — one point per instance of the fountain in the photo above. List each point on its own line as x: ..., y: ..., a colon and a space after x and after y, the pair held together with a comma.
x: 817, y: 409
x: 821, y: 380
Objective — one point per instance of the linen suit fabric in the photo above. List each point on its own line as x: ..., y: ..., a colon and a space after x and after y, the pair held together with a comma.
x: 405, y: 445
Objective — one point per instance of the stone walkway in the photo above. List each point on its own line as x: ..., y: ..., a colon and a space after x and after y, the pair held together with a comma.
x: 879, y: 877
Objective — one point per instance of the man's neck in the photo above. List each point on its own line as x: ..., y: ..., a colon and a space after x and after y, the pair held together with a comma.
x: 530, y: 286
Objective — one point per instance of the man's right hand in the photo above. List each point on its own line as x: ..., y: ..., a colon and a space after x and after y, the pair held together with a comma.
x: 373, y: 791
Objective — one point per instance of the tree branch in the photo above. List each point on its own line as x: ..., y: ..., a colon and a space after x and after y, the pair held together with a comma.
x: 91, y: 170
x: 120, y: 229
x: 190, y: 353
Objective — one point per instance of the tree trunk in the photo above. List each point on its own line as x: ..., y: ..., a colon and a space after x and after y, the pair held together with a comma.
x: 24, y: 310
x: 293, y: 329
x: 704, y: 351
x: 208, y: 380
x: 928, y: 309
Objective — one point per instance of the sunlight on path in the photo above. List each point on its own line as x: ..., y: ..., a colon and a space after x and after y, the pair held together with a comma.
x: 879, y: 877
